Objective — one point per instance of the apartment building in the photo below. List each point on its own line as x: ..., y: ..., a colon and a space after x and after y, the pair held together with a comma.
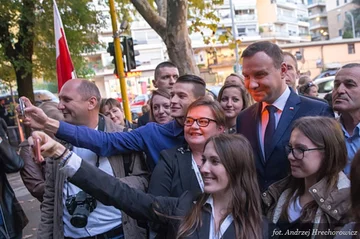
x: 283, y: 21
x: 338, y: 12
x: 318, y: 20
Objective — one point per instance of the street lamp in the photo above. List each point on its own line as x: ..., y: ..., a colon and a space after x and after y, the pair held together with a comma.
x: 352, y: 23
x: 237, y: 67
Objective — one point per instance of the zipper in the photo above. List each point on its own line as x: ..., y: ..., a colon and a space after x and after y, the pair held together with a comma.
x: 2, y: 216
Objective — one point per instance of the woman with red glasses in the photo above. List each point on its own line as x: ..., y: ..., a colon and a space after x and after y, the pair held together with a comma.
x: 315, y: 198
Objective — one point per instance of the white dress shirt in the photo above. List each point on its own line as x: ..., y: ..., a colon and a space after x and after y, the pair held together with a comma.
x: 280, y: 105
x: 103, y: 218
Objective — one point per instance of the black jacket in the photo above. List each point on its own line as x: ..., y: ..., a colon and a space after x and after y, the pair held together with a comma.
x: 139, y: 205
x: 13, y: 216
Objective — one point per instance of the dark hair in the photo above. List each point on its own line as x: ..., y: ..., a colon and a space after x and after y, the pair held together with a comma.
x: 305, y: 89
x: 199, y: 84
x: 88, y: 89
x: 214, y: 106
x: 324, y: 132
x: 160, y: 92
x: 236, y: 154
x: 246, y: 98
x: 285, y: 53
x: 162, y: 65
x: 111, y: 103
x: 351, y: 65
x: 270, y: 49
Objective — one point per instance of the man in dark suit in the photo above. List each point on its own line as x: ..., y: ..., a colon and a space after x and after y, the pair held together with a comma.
x: 267, y: 124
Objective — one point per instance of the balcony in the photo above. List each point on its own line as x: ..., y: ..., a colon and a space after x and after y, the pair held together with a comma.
x: 274, y: 34
x: 318, y: 25
x: 286, y: 19
x: 289, y: 4
x: 316, y: 3
x: 317, y: 15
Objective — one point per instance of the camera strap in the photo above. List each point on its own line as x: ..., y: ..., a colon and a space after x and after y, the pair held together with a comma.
x: 101, y: 127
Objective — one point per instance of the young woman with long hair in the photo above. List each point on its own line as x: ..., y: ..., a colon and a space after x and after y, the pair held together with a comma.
x: 229, y: 208
x: 160, y: 107
x: 233, y: 99
x: 315, y: 197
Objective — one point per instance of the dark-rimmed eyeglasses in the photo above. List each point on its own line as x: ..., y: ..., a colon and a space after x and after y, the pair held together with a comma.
x: 298, y: 153
x: 202, y: 122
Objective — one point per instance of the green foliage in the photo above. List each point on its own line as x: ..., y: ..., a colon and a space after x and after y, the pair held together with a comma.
x: 347, y: 24
x: 81, y: 23
x: 347, y: 34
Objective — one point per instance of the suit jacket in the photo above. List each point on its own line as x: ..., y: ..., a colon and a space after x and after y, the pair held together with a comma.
x: 277, y: 166
x: 173, y: 174
x: 139, y: 205
x: 51, y: 224
x: 13, y: 216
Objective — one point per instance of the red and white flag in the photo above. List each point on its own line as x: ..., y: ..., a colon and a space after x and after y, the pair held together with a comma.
x: 64, y: 66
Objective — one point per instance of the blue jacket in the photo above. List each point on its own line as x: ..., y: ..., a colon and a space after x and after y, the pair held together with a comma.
x: 150, y: 138
x: 276, y: 166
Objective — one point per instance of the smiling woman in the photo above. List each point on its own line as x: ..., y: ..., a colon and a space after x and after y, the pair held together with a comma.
x: 315, y: 197
x: 212, y: 215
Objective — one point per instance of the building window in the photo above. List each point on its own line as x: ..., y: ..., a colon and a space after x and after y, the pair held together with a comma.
x: 345, y: 1
x: 337, y: 2
x: 340, y: 32
x: 338, y: 18
x: 351, y: 48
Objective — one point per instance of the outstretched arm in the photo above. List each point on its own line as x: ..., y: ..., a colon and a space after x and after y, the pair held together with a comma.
x: 103, y: 143
x: 106, y: 188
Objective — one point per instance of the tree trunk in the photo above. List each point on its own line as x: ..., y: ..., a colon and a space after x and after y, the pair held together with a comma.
x: 177, y: 39
x: 173, y: 31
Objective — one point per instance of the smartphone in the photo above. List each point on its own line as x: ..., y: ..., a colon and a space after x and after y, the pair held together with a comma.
x: 22, y: 107
x: 37, y: 150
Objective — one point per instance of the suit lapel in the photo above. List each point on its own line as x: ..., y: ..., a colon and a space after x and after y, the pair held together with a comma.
x: 291, y: 107
x: 184, y: 162
x: 230, y: 232
x: 203, y: 231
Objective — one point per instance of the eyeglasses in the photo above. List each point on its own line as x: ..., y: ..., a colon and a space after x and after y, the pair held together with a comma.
x: 298, y: 153
x: 202, y: 122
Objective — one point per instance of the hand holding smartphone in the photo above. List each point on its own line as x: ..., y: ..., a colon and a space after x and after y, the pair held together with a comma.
x: 22, y: 107
x: 37, y: 151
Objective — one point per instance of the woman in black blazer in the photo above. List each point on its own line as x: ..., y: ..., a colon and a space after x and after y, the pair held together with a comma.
x: 177, y: 169
x: 229, y: 207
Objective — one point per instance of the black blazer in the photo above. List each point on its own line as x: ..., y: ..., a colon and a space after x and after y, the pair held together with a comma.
x: 173, y: 174
x: 277, y: 166
x: 139, y: 205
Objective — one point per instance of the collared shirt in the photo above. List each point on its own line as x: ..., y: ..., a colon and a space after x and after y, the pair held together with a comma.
x: 280, y: 105
x: 352, y: 145
x: 103, y: 218
x: 224, y: 225
x: 151, y: 138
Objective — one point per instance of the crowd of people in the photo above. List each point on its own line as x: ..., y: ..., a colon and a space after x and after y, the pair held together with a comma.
x: 266, y: 159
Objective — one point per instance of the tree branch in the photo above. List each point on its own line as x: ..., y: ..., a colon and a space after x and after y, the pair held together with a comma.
x: 155, y: 21
x: 162, y: 7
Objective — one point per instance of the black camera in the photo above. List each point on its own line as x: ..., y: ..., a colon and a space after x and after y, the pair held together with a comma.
x: 79, y: 207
